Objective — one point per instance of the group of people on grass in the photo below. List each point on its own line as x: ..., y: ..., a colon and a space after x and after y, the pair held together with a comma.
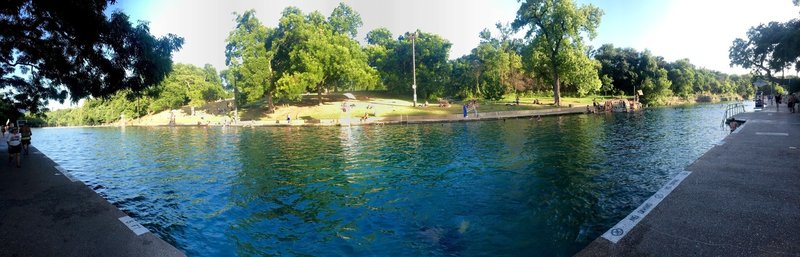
x: 18, y: 140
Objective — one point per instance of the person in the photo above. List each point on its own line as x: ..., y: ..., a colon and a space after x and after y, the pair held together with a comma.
x: 778, y: 102
x: 790, y: 102
x: 517, y: 101
x: 6, y: 132
x: 26, y: 138
x: 288, y: 118
x: 14, y: 145
x: 733, y: 124
x: 475, y: 107
x: 465, y: 110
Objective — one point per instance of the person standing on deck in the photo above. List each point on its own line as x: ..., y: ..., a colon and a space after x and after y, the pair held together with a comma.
x: 475, y: 107
x: 26, y: 138
x: 14, y: 145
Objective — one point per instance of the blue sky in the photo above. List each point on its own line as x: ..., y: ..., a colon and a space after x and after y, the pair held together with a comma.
x: 700, y: 30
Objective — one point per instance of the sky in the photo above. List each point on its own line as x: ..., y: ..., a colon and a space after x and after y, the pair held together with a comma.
x: 700, y: 30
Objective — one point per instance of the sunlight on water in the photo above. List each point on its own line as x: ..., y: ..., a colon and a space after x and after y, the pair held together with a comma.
x: 496, y: 188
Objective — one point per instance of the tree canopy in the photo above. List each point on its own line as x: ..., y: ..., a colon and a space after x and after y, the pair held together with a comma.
x: 51, y: 49
x: 769, y: 48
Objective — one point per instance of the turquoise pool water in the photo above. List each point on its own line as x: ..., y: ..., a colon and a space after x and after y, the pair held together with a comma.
x: 495, y: 188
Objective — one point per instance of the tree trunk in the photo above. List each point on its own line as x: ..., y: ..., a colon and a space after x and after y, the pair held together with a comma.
x: 319, y: 93
x: 271, y: 105
x: 556, y: 82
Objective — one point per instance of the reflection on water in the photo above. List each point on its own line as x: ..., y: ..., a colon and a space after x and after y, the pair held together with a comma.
x: 498, y: 188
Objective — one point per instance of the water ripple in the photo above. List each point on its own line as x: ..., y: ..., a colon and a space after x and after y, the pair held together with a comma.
x: 507, y: 188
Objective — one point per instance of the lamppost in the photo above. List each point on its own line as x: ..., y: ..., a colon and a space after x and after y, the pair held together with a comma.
x: 414, y: 65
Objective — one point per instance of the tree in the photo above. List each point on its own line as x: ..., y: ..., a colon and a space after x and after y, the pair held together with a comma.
x: 249, y: 61
x: 380, y: 43
x: 555, y: 28
x: 769, y: 48
x: 653, y: 79
x: 309, y: 54
x: 395, y: 66
x: 497, y: 64
x: 619, y: 65
x: 51, y: 48
x: 682, y: 74
x: 187, y: 84
x: 344, y: 20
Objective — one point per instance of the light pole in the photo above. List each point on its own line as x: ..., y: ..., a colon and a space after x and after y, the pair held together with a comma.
x: 414, y: 65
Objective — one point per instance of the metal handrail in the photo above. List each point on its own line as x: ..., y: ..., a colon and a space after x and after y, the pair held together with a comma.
x: 732, y: 110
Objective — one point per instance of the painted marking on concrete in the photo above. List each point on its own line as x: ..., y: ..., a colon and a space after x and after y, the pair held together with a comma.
x: 736, y: 131
x: 772, y: 134
x: 617, y: 232
x: 66, y: 174
x: 721, y: 142
x: 133, y: 225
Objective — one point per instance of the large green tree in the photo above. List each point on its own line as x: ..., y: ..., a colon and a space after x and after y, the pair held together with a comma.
x: 682, y: 75
x: 652, y: 79
x: 619, y: 66
x: 187, y: 85
x: 393, y: 59
x: 556, y: 29
x: 497, y: 64
x: 310, y: 53
x: 49, y: 49
x: 769, y: 48
x: 248, y: 59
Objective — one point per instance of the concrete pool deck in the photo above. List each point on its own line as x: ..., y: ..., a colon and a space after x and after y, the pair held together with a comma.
x: 741, y: 198
x: 44, y: 213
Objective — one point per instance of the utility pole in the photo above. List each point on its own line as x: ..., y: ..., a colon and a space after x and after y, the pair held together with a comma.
x: 414, y: 65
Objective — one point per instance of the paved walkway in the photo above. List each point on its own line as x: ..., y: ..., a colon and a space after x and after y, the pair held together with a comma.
x: 44, y: 213
x: 741, y: 198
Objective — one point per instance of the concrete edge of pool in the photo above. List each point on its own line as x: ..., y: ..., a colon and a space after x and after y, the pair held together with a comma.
x: 742, y: 198
x: 44, y: 212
